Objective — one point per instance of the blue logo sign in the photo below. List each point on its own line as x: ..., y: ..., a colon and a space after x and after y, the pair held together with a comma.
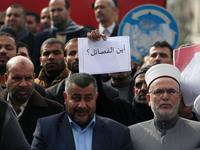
x: 145, y: 25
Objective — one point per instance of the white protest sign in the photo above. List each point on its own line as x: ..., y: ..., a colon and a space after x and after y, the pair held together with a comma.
x: 112, y: 55
x: 186, y: 59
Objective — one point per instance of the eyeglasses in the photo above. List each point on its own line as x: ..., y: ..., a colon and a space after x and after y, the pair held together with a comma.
x: 160, y: 92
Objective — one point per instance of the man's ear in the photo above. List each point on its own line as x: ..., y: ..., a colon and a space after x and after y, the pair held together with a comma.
x: 65, y: 97
x: 5, y: 78
x: 96, y: 96
x: 148, y: 99
x: 115, y: 11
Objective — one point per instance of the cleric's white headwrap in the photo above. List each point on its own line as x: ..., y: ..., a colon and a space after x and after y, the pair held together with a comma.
x: 162, y: 70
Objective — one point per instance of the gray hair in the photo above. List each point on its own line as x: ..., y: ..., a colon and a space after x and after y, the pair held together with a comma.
x: 111, y: 3
x: 80, y: 79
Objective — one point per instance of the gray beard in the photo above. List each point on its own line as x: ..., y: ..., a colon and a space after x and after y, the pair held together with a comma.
x: 141, y: 100
x: 160, y: 115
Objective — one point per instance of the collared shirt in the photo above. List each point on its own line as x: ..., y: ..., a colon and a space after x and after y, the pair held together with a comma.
x: 110, y: 28
x: 83, y: 138
x: 22, y: 107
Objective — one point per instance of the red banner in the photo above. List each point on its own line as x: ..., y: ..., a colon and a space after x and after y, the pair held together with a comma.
x: 81, y: 10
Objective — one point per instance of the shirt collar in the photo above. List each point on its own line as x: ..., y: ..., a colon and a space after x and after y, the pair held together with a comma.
x: 90, y: 125
x: 110, y: 28
x: 22, y: 107
x: 166, y: 125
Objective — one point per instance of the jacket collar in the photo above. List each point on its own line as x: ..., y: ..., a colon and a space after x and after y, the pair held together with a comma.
x: 36, y: 99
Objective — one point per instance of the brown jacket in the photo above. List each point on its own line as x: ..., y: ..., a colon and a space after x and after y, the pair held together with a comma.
x: 43, y: 80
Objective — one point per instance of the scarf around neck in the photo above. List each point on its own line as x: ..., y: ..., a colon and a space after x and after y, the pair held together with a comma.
x: 69, y: 28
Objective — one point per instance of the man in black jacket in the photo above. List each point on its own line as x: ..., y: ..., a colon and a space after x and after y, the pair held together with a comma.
x: 15, y: 19
x: 11, y: 135
x: 64, y: 28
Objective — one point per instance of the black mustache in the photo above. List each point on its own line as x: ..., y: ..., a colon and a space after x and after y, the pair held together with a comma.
x: 81, y: 110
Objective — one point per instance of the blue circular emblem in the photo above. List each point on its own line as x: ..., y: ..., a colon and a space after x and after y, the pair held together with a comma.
x: 145, y: 25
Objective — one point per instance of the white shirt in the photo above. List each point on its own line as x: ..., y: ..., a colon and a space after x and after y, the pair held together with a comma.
x: 110, y: 29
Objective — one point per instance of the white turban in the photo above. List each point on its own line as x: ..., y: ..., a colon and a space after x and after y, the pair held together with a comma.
x: 162, y: 70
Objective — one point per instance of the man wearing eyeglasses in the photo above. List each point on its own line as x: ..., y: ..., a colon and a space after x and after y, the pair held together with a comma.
x: 167, y: 131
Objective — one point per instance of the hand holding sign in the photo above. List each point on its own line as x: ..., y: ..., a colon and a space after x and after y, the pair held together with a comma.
x: 112, y: 55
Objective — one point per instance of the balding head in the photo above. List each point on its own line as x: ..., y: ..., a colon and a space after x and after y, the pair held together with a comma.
x: 19, y: 61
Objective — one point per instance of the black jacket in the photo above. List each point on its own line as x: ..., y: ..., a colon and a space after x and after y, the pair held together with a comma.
x: 50, y: 33
x: 11, y: 135
x: 36, y: 107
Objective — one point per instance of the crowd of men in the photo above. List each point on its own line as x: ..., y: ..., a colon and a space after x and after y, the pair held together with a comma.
x: 46, y: 104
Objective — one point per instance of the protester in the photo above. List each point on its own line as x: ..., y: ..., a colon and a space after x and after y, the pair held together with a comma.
x: 8, y: 46
x: 79, y: 127
x: 105, y: 11
x: 28, y: 105
x: 140, y: 104
x: 160, y: 52
x: 64, y: 28
x: 33, y: 22
x: 45, y: 20
x: 15, y: 19
x: 22, y: 49
x: 167, y: 130
x: 8, y: 49
x: 52, y: 60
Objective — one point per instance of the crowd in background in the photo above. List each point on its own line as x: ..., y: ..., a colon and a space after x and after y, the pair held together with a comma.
x: 47, y: 104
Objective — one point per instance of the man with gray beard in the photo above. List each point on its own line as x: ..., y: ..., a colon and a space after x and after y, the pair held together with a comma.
x: 140, y: 86
x: 142, y: 110
x: 28, y: 105
x: 167, y: 130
